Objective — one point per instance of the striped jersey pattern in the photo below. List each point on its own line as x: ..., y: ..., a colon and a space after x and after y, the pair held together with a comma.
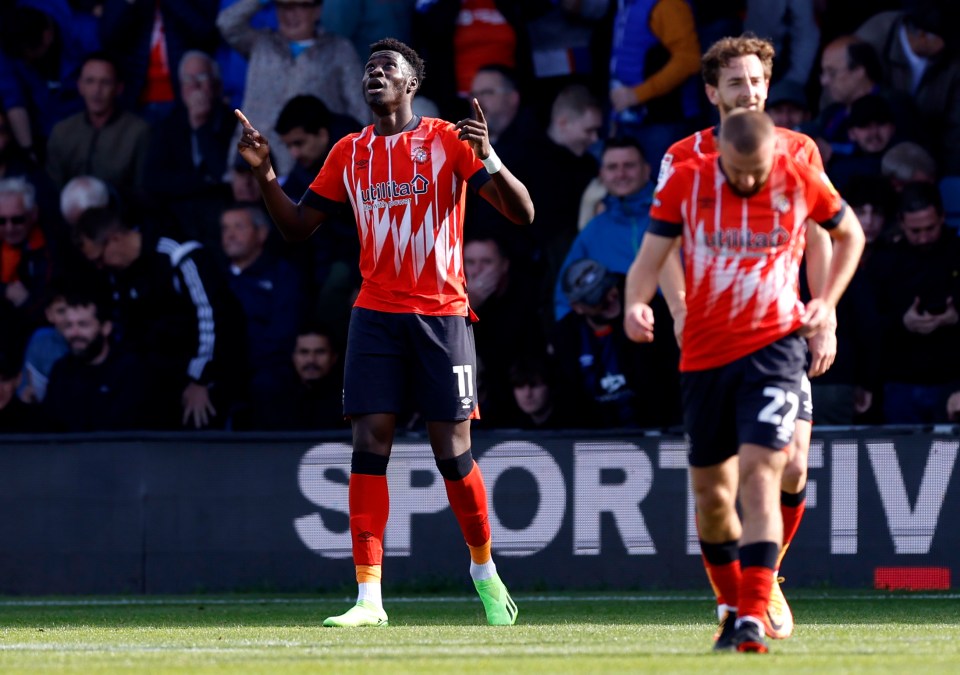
x: 704, y: 142
x: 742, y: 254
x: 408, y: 194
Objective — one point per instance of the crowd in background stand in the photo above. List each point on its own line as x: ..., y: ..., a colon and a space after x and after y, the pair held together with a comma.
x: 143, y: 286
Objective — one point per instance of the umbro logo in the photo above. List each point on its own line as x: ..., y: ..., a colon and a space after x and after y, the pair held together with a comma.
x: 361, y: 163
x: 465, y: 403
x: 365, y: 536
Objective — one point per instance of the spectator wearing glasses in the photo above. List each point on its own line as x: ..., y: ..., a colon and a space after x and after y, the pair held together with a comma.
x: 27, y: 263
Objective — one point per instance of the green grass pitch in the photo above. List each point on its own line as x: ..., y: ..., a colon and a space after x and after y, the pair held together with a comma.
x: 837, y: 632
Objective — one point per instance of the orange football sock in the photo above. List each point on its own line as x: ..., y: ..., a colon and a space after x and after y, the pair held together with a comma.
x: 722, y: 565
x: 468, y: 499
x: 755, y: 584
x: 369, y: 508
x: 792, y: 508
x: 756, y: 578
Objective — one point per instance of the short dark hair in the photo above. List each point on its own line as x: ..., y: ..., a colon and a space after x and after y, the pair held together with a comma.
x: 747, y: 130
x: 314, y: 326
x: 482, y: 230
x: 85, y: 295
x: 533, y: 369
x: 106, y: 57
x: 575, y: 99
x: 870, y: 109
x: 57, y: 289
x: 863, y: 55
x: 306, y: 112
x: 97, y: 223
x: 407, y: 52
x: 506, y: 72
x: 616, y: 142
x: 917, y: 196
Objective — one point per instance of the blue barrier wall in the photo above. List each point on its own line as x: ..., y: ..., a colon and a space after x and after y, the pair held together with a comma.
x: 188, y: 513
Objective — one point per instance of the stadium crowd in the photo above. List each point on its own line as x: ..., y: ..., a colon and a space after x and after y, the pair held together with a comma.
x: 144, y: 286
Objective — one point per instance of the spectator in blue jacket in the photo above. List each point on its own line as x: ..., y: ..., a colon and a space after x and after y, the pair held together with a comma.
x: 613, y: 236
x: 270, y: 290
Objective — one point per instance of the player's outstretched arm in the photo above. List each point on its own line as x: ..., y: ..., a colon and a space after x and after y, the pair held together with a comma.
x: 295, y: 221
x: 505, y: 192
x: 642, y: 281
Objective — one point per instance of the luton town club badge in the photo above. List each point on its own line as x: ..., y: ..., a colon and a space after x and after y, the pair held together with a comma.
x: 420, y: 155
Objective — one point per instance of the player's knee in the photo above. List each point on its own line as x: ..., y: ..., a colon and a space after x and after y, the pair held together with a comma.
x: 456, y: 468
x: 760, y: 479
x: 794, y: 475
x: 373, y: 434
x: 715, y: 501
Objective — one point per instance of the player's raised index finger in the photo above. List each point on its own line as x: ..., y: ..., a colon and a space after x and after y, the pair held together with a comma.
x: 243, y: 118
x: 478, y: 111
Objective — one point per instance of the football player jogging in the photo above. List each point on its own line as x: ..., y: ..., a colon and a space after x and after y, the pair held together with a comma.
x: 742, y: 216
x: 410, y: 332
x: 736, y: 73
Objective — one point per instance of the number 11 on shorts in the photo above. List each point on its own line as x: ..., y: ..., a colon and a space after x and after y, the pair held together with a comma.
x: 464, y: 379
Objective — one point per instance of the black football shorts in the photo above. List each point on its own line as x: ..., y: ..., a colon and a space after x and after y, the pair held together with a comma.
x: 401, y: 362
x: 755, y: 399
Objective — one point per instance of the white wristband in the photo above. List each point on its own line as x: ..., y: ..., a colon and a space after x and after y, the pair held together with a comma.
x: 492, y: 163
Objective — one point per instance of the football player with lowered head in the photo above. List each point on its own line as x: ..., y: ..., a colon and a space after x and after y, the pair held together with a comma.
x: 736, y: 73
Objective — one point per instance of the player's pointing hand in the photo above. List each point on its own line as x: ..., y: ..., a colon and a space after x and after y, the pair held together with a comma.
x: 252, y: 146
x: 474, y: 131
